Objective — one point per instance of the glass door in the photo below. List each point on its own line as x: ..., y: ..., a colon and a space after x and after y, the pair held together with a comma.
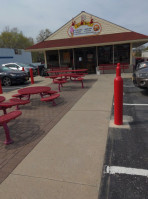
x: 86, y: 58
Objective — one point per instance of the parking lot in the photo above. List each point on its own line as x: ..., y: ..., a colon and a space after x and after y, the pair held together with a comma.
x: 125, y: 171
x: 14, y: 87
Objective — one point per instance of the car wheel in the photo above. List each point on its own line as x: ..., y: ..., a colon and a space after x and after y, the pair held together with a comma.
x: 6, y: 81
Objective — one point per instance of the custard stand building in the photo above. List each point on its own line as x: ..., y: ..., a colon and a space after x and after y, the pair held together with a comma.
x: 88, y: 41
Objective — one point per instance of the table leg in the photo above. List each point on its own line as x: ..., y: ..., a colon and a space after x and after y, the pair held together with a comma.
x: 28, y: 96
x: 82, y: 84
x: 4, y: 111
x: 8, y: 139
x: 59, y: 88
x: 53, y: 103
x: 17, y: 107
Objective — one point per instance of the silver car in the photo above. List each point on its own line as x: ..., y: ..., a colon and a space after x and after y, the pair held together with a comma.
x: 20, y: 66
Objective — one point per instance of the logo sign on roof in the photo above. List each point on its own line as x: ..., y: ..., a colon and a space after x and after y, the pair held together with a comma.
x: 84, y: 28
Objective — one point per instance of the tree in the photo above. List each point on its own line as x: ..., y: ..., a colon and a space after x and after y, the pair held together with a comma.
x: 146, y: 48
x: 39, y: 56
x: 138, y: 51
x: 43, y: 34
x: 14, y: 39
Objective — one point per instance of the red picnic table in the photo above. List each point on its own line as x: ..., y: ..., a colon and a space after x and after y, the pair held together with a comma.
x: 12, y: 102
x: 60, y: 79
x: 34, y: 90
x: 42, y: 90
x: 65, y: 75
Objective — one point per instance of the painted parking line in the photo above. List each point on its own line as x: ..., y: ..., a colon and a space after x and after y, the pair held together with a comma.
x: 125, y: 170
x: 126, y: 104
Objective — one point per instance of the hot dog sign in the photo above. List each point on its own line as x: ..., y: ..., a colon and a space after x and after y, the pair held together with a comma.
x: 84, y: 28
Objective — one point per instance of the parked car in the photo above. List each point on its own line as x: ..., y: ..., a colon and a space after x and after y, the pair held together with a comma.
x: 42, y: 69
x: 140, y: 75
x: 9, y: 76
x: 20, y: 66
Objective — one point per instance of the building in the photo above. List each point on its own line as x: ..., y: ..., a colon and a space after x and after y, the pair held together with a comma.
x: 8, y: 55
x: 145, y: 54
x: 88, y: 41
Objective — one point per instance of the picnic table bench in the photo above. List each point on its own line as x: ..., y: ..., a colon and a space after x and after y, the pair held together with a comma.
x: 50, y: 98
x: 19, y: 102
x: 51, y: 92
x: 80, y: 79
x: 20, y: 96
x: 2, y: 98
x: 60, y: 83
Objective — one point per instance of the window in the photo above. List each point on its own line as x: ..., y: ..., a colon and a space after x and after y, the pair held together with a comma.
x: 122, y: 53
x: 105, y: 55
x: 114, y: 54
x: 52, y: 57
x: 66, y: 57
x: 17, y: 51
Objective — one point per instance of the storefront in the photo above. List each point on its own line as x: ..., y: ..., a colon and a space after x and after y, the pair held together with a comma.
x: 88, y: 42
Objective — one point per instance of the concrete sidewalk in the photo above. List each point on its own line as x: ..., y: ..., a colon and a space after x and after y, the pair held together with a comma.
x: 67, y: 162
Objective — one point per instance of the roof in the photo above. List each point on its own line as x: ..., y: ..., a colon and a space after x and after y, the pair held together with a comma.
x: 106, y: 27
x: 90, y: 41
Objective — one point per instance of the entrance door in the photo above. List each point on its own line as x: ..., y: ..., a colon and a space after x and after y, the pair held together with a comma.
x: 86, y: 58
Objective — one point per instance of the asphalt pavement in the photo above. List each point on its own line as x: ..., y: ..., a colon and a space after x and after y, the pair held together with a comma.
x: 125, y: 171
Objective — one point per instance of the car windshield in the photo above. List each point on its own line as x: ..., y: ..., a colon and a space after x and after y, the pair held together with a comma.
x: 26, y: 65
x: 142, y: 65
x: 31, y: 65
x: 5, y: 69
x: 23, y: 65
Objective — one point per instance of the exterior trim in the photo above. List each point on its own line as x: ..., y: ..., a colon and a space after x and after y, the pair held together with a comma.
x: 89, y: 45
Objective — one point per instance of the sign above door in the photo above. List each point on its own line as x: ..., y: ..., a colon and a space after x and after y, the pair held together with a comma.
x: 84, y: 27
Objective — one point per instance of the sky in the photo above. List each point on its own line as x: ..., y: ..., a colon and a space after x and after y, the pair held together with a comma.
x: 31, y: 16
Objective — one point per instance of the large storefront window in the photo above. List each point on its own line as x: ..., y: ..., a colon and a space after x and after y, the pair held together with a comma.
x: 52, y: 58
x: 114, y: 54
x: 122, y: 53
x: 105, y: 55
x: 66, y: 58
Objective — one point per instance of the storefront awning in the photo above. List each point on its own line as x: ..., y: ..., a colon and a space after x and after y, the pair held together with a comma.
x: 126, y: 37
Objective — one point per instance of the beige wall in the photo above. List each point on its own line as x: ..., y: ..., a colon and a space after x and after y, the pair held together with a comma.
x: 107, y: 27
